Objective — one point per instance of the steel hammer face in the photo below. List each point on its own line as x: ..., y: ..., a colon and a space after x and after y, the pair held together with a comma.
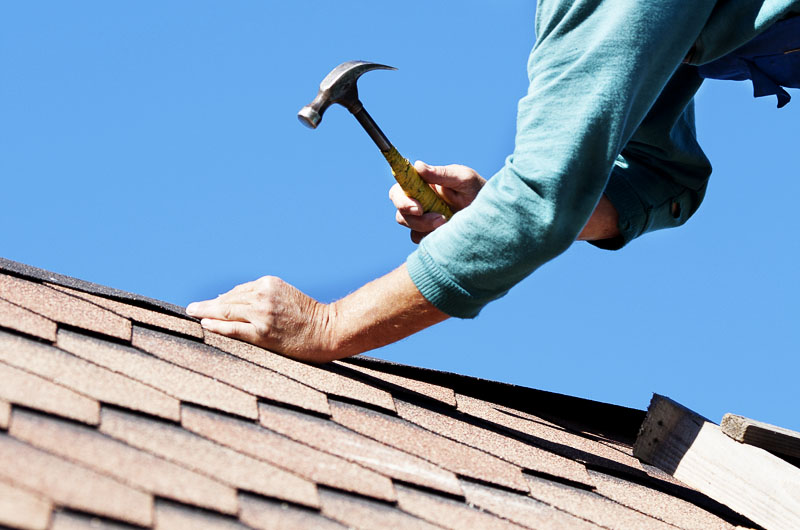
x: 339, y: 86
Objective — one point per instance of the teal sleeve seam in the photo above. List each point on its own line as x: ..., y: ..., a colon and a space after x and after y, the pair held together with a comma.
x: 439, y: 288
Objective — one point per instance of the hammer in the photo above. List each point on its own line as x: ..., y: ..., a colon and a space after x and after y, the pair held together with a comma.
x: 339, y: 86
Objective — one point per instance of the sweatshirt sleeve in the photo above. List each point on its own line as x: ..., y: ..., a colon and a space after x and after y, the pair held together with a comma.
x: 597, y: 68
x: 660, y: 178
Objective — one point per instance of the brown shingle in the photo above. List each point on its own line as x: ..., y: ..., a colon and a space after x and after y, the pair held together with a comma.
x: 366, y: 514
x: 265, y: 514
x: 335, y: 439
x: 71, y: 485
x: 450, y: 455
x: 63, y: 308
x: 85, y: 377
x: 32, y: 391
x: 121, y: 461
x: 176, y: 517
x: 170, y: 379
x: 439, y: 393
x: 75, y: 521
x: 514, y: 451
x: 662, y: 506
x: 448, y: 512
x: 522, y: 509
x: 591, y: 506
x: 20, y: 508
x: 201, y: 455
x: 5, y: 413
x: 229, y: 369
x: 556, y: 440
x: 140, y: 314
x: 15, y: 317
x: 280, y: 451
x: 316, y: 377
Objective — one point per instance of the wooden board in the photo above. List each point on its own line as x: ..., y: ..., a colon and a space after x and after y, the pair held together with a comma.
x: 776, y: 440
x: 747, y: 479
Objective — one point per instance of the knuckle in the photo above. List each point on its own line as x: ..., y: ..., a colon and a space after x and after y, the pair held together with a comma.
x: 268, y: 283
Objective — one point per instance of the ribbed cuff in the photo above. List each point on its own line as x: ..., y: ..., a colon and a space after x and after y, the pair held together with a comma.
x: 630, y: 208
x: 439, y: 288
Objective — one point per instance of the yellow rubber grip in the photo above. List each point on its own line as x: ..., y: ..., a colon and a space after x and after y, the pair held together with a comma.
x: 408, y: 178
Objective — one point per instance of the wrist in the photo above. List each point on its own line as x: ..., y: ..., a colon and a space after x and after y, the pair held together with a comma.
x: 328, y: 337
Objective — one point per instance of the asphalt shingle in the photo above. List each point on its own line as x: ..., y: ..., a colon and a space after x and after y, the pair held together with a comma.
x: 287, y: 454
x: 63, y: 308
x: 451, y: 455
x: 320, y: 378
x: 165, y: 426
x: 265, y: 514
x: 20, y: 508
x: 667, y: 508
x: 199, y: 454
x: 335, y: 439
x: 175, y: 381
x: 184, y: 326
x: 20, y: 319
x: 85, y: 377
x: 32, y: 391
x: 365, y: 514
x: 553, y: 439
x: 524, y: 455
x: 436, y: 392
x: 236, y: 372
x: 121, y: 461
x: 5, y: 413
x: 77, y: 521
x: 522, y: 510
x: 448, y: 513
x: 592, y: 507
x: 72, y: 485
x: 169, y: 516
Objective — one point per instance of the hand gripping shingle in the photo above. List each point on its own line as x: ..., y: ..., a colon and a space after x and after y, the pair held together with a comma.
x: 339, y: 86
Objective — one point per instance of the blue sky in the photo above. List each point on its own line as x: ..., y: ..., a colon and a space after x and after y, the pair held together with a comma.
x: 153, y: 147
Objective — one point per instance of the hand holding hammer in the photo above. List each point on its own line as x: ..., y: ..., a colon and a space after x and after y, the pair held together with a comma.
x: 339, y: 86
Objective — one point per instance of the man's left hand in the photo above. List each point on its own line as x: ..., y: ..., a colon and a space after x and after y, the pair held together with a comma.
x: 272, y: 314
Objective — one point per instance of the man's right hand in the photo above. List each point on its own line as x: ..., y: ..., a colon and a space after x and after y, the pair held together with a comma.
x: 457, y: 185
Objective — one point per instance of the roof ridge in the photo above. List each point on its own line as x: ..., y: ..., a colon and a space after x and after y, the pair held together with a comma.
x: 34, y: 273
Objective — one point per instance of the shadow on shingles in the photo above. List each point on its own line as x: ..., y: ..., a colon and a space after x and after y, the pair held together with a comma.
x: 542, y: 443
x: 89, y: 520
x: 395, y: 390
x: 681, y: 492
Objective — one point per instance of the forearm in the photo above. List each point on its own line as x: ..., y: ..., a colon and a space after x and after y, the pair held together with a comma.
x: 381, y: 312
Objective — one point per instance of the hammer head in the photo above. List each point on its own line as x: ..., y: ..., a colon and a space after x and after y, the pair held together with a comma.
x: 339, y: 86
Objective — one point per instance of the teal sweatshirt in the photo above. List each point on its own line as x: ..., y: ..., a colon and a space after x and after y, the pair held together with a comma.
x: 608, y: 109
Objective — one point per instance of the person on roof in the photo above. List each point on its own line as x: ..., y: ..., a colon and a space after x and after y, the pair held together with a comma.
x: 605, y: 151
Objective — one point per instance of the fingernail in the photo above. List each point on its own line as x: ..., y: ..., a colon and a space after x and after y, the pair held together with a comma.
x: 415, y: 210
x: 439, y: 220
x: 191, y: 308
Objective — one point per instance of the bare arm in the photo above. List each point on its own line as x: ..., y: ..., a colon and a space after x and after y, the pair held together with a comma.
x: 275, y: 315
x: 271, y: 313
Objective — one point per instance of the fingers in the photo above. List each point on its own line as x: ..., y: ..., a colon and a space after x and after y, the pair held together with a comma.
x: 219, y: 310
x: 453, y: 176
x: 403, y: 202
x: 237, y: 330
x: 421, y: 223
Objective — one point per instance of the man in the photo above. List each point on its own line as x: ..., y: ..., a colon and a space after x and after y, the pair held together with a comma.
x: 605, y: 151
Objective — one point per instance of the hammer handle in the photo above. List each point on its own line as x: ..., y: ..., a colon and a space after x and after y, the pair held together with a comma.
x: 416, y: 188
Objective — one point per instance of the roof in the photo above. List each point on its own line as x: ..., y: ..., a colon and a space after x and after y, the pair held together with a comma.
x: 120, y: 411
